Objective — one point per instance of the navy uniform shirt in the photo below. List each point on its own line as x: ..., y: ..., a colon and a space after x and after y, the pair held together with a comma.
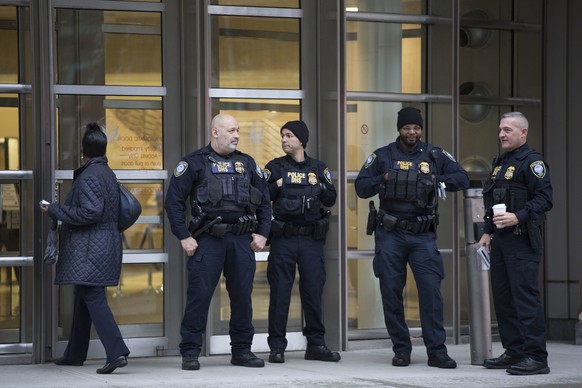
x: 190, y: 172
x: 371, y: 174
x: 531, y: 172
x: 274, y: 171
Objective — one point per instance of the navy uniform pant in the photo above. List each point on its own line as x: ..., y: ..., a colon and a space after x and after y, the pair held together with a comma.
x: 516, y: 296
x: 90, y: 307
x: 394, y: 250
x: 285, y: 255
x: 231, y: 255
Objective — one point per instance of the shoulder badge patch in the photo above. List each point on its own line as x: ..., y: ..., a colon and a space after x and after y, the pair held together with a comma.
x: 180, y: 168
x: 266, y: 174
x: 327, y: 175
x: 449, y: 156
x: 538, y: 168
x: 370, y: 160
x: 259, y: 171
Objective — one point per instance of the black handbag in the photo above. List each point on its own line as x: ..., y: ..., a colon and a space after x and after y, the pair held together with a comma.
x: 129, y: 208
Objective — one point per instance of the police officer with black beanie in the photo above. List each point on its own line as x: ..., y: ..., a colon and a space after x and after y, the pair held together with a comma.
x: 406, y: 176
x: 301, y: 190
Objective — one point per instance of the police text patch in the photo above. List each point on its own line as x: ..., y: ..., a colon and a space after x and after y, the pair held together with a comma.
x: 295, y: 178
x: 180, y: 168
x: 538, y: 168
x: 222, y: 168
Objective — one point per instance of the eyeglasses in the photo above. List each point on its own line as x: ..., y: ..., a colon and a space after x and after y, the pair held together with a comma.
x: 415, y: 128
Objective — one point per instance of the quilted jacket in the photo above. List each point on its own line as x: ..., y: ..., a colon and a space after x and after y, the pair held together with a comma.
x: 89, y: 241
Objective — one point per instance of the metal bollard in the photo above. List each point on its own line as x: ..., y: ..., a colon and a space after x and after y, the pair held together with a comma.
x: 477, y: 279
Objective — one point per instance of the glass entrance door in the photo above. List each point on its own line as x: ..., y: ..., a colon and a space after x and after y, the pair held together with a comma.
x: 108, y: 69
x: 16, y: 189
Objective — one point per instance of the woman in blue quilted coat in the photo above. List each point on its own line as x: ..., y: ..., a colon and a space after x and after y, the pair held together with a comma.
x: 90, y: 253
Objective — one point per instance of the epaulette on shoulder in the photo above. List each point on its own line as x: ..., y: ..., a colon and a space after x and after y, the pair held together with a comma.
x: 526, y: 153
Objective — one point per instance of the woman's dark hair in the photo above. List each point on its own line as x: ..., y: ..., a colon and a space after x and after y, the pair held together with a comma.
x: 94, y: 141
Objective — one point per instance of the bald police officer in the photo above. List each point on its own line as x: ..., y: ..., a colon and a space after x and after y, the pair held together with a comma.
x: 520, y: 179
x: 231, y: 218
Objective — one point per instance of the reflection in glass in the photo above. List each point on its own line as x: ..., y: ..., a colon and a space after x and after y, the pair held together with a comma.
x: 9, y: 303
x: 260, y: 124
x: 9, y: 144
x: 259, y: 3
x: 9, y: 219
x: 108, y: 47
x: 385, y: 57
x: 9, y: 44
x: 138, y: 299
x: 134, y: 135
x: 415, y: 7
x: 146, y: 236
x: 258, y: 53
x: 134, y: 139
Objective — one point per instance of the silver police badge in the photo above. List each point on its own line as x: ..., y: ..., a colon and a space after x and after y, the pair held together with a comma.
x: 259, y: 171
x: 266, y: 174
x: 538, y: 168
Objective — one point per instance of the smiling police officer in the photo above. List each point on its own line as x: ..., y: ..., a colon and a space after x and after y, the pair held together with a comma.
x: 520, y: 179
x: 407, y: 175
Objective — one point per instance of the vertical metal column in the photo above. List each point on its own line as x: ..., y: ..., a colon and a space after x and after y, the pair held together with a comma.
x: 478, y: 279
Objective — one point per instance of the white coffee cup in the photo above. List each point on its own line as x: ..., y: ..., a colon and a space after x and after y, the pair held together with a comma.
x: 500, y: 208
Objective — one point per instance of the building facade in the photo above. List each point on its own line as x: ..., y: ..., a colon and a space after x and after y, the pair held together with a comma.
x: 154, y: 73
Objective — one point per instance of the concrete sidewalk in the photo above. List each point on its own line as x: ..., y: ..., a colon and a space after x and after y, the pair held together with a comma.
x: 358, y: 368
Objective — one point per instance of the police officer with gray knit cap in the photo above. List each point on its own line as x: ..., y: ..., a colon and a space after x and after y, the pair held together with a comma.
x: 407, y: 176
x: 301, y: 190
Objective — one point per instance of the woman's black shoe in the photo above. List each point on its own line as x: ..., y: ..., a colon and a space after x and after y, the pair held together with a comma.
x: 119, y: 362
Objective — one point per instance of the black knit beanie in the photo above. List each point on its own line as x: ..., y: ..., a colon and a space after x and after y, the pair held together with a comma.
x: 299, y: 129
x: 409, y: 115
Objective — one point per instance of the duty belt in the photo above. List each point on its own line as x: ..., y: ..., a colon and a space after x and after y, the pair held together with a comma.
x: 422, y: 224
x: 246, y: 224
x: 296, y: 230
x: 418, y: 224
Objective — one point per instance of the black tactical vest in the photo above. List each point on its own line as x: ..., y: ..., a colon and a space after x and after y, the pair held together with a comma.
x: 226, y: 189
x: 299, y: 195
x: 505, y: 189
x: 409, y: 189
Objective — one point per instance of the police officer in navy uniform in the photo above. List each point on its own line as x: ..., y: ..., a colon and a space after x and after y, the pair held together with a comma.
x: 407, y: 176
x: 301, y: 189
x: 231, y: 219
x: 520, y: 179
